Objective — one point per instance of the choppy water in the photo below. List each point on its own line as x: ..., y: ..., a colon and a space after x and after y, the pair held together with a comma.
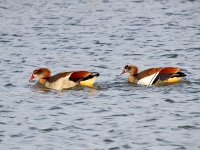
x: 103, y: 36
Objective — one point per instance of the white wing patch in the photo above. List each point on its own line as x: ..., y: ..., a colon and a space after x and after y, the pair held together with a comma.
x: 148, y: 80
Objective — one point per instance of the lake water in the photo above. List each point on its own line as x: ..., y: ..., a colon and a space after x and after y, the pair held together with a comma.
x: 101, y: 36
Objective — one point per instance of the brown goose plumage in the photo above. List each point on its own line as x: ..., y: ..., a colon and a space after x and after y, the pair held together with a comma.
x: 64, y: 80
x: 153, y: 75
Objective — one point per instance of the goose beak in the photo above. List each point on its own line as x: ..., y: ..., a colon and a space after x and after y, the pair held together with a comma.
x: 32, y: 77
x: 123, y: 71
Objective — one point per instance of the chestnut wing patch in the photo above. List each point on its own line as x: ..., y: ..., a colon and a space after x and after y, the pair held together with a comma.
x: 170, y: 70
x: 79, y: 75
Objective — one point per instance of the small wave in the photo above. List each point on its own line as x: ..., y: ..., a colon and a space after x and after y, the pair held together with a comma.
x: 16, y: 135
x: 108, y: 140
x: 170, y: 55
x: 188, y: 127
x: 48, y: 130
x: 55, y: 108
x: 170, y: 101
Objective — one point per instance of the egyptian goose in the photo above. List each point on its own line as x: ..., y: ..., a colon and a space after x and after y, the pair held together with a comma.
x: 64, y: 80
x: 153, y: 75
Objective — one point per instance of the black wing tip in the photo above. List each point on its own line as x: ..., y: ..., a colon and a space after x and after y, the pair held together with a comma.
x: 95, y: 74
x: 184, y: 75
x: 181, y: 74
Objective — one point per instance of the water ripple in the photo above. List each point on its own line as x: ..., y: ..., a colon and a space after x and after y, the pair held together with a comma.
x: 100, y: 36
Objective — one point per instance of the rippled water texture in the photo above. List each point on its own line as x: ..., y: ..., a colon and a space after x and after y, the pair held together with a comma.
x: 103, y: 36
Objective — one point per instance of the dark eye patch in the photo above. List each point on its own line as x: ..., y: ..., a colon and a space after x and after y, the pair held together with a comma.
x: 38, y: 71
x: 35, y: 72
x: 127, y: 67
